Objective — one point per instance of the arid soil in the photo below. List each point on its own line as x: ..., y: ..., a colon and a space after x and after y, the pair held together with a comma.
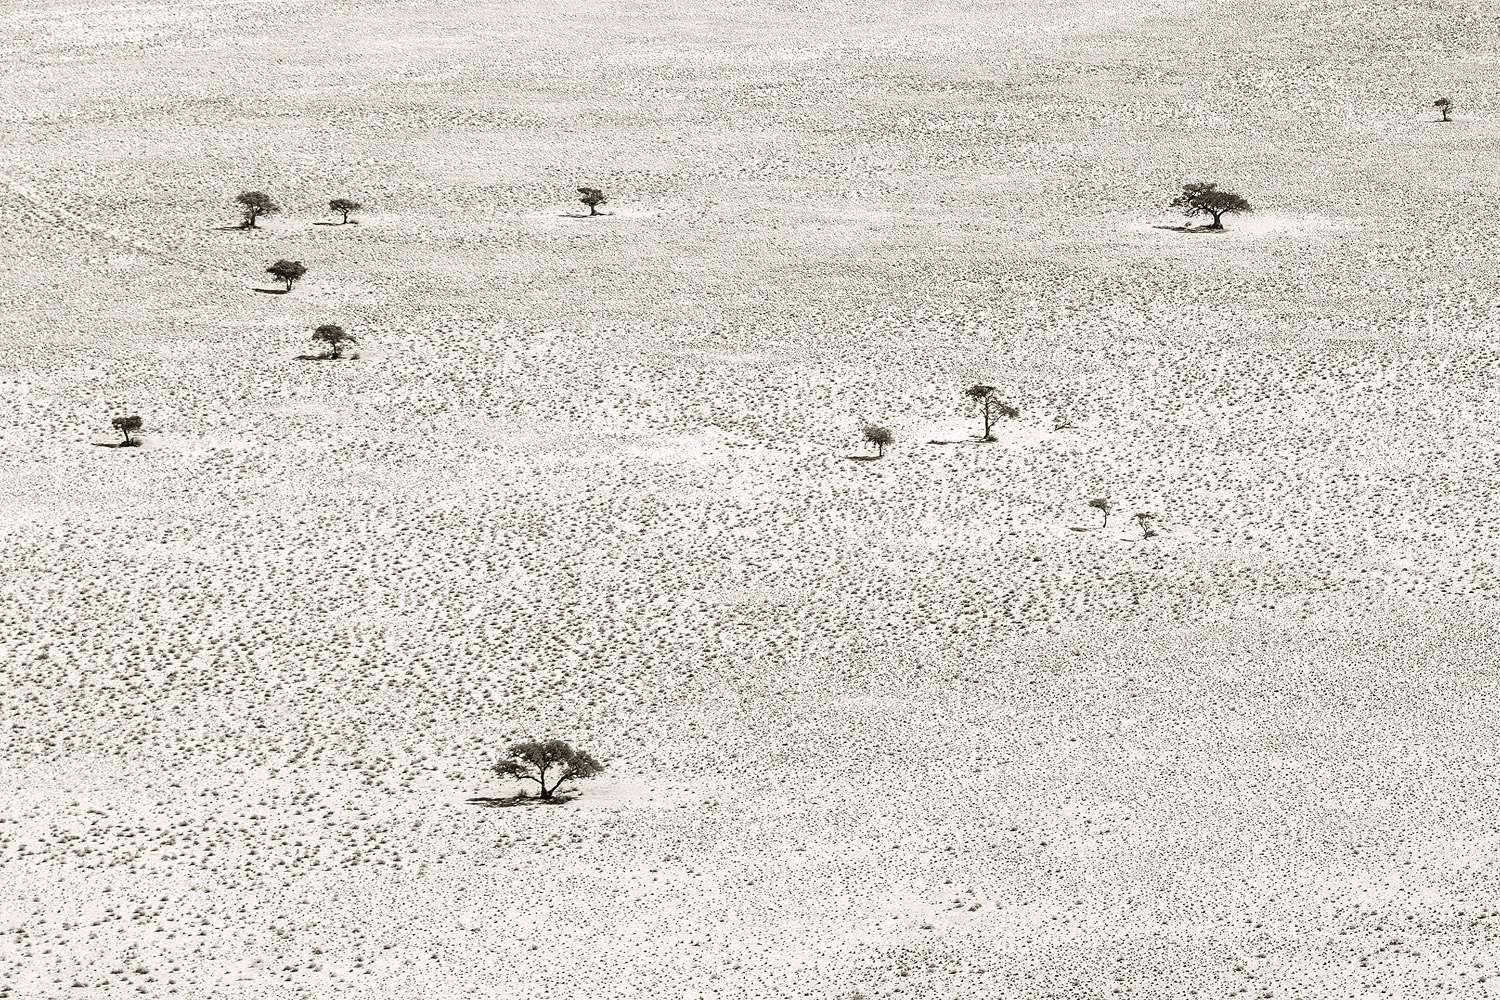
x: 911, y: 727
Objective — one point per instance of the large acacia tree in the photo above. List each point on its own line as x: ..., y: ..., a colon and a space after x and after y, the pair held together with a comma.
x: 1206, y: 199
x: 254, y: 204
x: 535, y: 760
x: 991, y: 407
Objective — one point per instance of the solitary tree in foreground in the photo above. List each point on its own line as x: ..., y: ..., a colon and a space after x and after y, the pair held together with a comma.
x: 333, y: 337
x: 255, y: 204
x: 289, y: 271
x: 880, y: 437
x: 1207, y: 199
x: 125, y: 425
x: 1445, y: 107
x: 1102, y: 505
x: 593, y: 198
x: 991, y: 407
x: 344, y: 206
x: 1146, y: 520
x: 535, y: 760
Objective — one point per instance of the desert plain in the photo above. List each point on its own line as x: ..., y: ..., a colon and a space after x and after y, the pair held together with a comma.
x: 916, y: 726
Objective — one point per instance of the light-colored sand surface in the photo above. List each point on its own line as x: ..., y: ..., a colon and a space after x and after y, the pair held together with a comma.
x: 916, y: 727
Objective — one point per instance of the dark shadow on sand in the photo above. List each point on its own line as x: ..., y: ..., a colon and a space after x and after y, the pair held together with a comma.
x: 511, y: 801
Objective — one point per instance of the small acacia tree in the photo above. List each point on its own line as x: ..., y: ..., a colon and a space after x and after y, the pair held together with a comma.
x: 344, y: 206
x: 288, y: 271
x: 535, y: 760
x: 125, y: 425
x: 254, y: 204
x: 1445, y: 108
x: 593, y: 198
x: 1102, y: 505
x: 991, y: 407
x: 1147, y: 521
x: 1206, y: 199
x: 334, y: 338
x: 880, y: 437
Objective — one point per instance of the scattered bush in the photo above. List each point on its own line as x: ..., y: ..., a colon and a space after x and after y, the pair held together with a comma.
x: 255, y: 204
x: 991, y: 407
x: 880, y: 437
x: 344, y: 207
x: 1207, y: 199
x: 593, y: 198
x: 289, y: 271
x: 533, y: 760
x: 125, y: 425
x: 334, y: 338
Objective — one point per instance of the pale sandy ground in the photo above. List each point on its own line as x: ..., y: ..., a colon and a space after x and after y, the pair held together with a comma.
x: 916, y: 727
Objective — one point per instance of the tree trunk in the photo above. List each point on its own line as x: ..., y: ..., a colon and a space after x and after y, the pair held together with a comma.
x: 346, y: 219
x: 1217, y: 223
x: 1106, y: 520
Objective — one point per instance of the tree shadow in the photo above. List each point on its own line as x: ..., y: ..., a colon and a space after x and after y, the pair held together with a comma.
x: 967, y: 440
x: 233, y: 229
x: 862, y: 458
x: 512, y: 801
x: 271, y: 291
x: 584, y: 215
x: 1188, y: 229
x: 116, y: 444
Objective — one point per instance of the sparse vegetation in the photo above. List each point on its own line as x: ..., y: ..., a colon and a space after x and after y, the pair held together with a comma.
x: 1102, y: 505
x: 287, y: 271
x: 1206, y: 199
x: 344, y: 207
x: 1147, y: 521
x: 127, y: 426
x: 991, y: 408
x: 593, y: 198
x: 253, y: 205
x: 880, y: 437
x: 535, y: 760
x: 1445, y: 108
x: 334, y: 339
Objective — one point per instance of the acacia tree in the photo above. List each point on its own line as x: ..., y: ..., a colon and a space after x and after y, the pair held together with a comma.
x: 880, y: 437
x: 991, y: 407
x: 593, y: 198
x: 289, y: 271
x: 534, y: 760
x: 334, y: 337
x: 1102, y: 505
x: 344, y: 206
x: 254, y: 204
x: 1206, y: 199
x: 1445, y: 107
x: 125, y: 425
x: 1146, y: 520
